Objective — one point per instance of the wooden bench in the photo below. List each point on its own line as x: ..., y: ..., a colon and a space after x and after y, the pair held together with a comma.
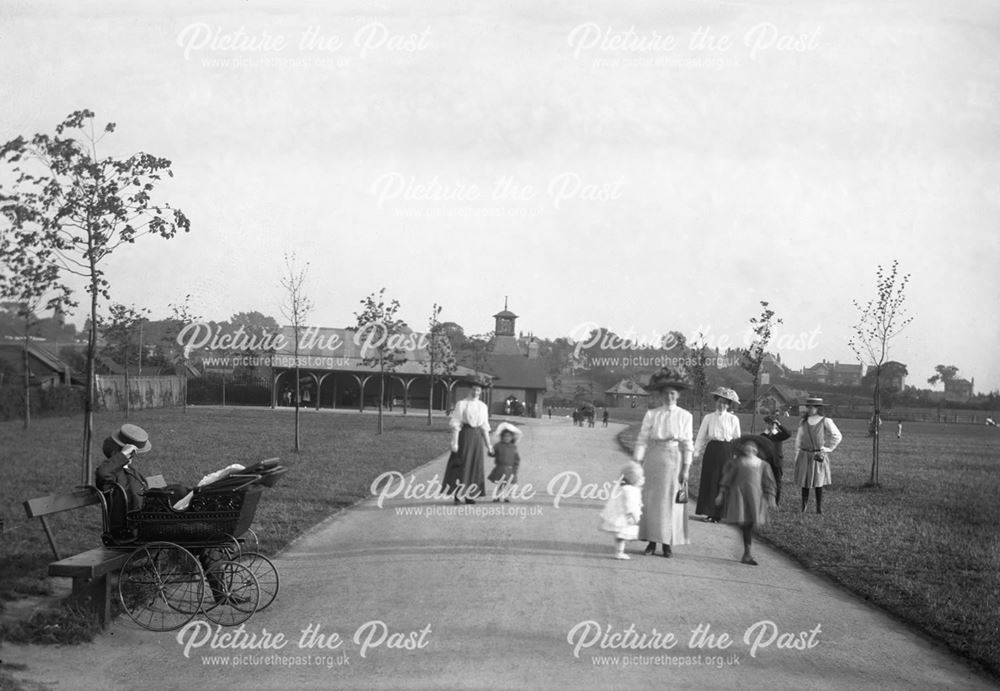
x: 89, y: 570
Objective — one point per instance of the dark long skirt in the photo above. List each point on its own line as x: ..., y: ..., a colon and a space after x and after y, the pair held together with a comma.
x: 717, y: 454
x: 464, y: 471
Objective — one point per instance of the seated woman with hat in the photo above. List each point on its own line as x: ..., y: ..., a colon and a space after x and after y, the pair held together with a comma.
x: 120, y: 449
x: 714, y: 448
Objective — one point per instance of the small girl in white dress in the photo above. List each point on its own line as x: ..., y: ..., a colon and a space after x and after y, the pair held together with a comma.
x: 623, y: 509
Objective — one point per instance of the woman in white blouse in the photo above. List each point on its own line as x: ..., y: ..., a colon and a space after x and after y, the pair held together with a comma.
x: 814, y: 442
x: 713, y: 447
x: 664, y: 448
x: 470, y: 436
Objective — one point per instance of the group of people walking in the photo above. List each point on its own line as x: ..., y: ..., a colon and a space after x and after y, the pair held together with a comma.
x: 465, y: 474
x: 740, y: 474
x: 740, y: 477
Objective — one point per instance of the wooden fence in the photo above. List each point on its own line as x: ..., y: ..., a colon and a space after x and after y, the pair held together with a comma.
x: 143, y: 392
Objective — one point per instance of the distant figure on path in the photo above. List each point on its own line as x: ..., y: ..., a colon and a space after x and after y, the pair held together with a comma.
x: 470, y: 437
x: 815, y: 440
x: 713, y: 447
x: 776, y: 433
x: 899, y: 430
x: 604, y: 418
x: 663, y: 446
x: 747, y: 489
x: 623, y: 509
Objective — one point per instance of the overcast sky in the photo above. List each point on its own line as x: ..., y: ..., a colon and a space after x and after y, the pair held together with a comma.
x: 643, y: 166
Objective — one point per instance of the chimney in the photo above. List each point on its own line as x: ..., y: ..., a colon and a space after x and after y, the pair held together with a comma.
x: 533, y: 349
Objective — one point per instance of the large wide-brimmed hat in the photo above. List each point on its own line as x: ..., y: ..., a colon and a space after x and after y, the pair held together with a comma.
x: 666, y: 378
x: 480, y: 380
x: 507, y: 427
x: 814, y: 401
x: 764, y: 445
x: 728, y: 394
x: 134, y: 435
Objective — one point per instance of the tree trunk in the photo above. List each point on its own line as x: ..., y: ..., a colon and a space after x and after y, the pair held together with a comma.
x: 88, y: 403
x: 297, y: 396
x: 876, y: 413
x: 27, y: 382
x: 753, y: 418
x: 127, y: 397
x: 381, y: 390
x: 430, y: 395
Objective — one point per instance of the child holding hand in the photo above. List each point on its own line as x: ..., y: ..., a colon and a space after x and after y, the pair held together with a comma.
x: 747, y: 489
x: 623, y: 509
x: 508, y: 461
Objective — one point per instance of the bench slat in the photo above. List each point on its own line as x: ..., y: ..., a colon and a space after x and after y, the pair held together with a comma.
x: 54, y: 503
x: 90, y: 564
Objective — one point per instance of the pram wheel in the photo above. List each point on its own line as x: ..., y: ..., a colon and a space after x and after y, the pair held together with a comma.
x: 265, y: 573
x: 161, y: 586
x: 234, y: 593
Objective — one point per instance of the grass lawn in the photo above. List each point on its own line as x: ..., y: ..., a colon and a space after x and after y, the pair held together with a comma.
x: 925, y: 546
x: 341, y: 456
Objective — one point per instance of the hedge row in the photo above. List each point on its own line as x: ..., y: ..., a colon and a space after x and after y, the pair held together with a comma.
x: 51, y: 401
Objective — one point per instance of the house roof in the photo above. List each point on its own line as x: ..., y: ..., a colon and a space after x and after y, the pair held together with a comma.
x: 41, y: 362
x: 343, y: 350
x: 841, y: 367
x: 517, y: 372
x: 627, y: 387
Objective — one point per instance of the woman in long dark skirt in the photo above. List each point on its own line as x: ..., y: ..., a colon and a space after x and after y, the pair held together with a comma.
x: 470, y: 440
x: 714, y: 448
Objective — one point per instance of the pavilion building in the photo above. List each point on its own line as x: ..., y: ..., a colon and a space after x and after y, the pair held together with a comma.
x: 518, y: 372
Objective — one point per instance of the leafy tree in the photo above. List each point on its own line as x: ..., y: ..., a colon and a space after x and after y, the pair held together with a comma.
x: 879, y: 321
x: 439, y: 349
x: 255, y: 324
x: 476, y: 351
x: 82, y: 208
x: 556, y: 354
x: 379, y: 325
x: 890, y: 372
x: 455, y: 335
x: 296, y: 309
x: 943, y: 374
x: 697, y: 361
x: 752, y: 357
x: 118, y: 330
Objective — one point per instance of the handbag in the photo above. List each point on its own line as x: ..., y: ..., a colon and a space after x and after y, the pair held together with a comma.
x: 682, y: 495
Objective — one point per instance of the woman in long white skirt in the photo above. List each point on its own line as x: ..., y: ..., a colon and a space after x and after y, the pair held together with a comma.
x: 664, y: 448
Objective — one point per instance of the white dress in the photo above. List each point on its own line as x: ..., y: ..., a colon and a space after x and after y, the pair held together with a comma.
x: 622, y: 512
